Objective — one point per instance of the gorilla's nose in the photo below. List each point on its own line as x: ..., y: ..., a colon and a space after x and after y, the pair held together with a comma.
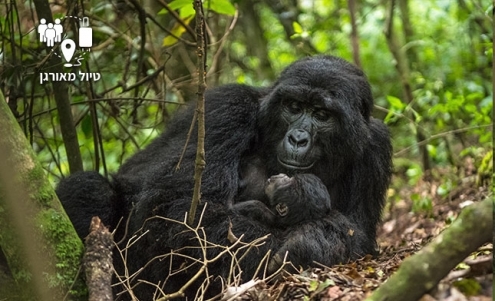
x: 298, y: 138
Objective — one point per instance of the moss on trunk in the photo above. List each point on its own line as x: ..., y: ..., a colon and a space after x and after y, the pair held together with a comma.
x: 39, y: 242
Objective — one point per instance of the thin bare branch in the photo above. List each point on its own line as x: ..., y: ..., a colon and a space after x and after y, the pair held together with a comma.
x: 200, y: 162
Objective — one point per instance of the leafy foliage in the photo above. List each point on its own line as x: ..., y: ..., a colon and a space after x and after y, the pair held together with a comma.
x: 448, y: 47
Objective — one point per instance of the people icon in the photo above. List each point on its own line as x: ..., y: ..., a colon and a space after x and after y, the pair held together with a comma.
x: 50, y: 34
x: 41, y: 30
x: 58, y: 30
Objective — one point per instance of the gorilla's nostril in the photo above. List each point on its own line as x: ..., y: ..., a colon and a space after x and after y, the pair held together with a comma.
x: 292, y: 141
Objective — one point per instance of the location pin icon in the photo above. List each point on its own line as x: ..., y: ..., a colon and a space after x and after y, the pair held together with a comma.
x: 68, y: 48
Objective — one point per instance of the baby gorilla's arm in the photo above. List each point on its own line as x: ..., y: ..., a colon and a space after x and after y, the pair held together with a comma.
x: 256, y: 210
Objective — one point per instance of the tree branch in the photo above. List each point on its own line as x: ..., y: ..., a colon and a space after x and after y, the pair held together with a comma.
x: 200, y: 161
x: 421, y: 272
x: 402, y: 67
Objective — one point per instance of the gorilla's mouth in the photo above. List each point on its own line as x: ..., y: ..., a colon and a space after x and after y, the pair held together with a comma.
x: 294, y: 165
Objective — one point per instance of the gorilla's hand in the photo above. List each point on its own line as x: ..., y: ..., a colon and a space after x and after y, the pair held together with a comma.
x: 310, y: 242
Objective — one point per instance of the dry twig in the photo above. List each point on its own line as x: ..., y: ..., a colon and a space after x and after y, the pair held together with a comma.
x: 198, y: 267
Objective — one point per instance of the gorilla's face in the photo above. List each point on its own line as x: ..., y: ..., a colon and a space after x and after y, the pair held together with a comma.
x: 306, y: 119
x: 275, y: 183
x: 314, y: 119
x: 278, y: 191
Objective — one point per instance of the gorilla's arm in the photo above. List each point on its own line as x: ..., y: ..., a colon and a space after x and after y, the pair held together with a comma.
x: 369, y: 178
x: 231, y: 128
x: 330, y: 240
x: 257, y: 211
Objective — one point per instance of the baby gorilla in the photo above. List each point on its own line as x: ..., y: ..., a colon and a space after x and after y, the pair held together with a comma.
x: 292, y: 200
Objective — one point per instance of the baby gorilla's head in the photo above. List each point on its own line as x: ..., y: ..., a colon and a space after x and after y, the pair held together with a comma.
x: 297, y: 199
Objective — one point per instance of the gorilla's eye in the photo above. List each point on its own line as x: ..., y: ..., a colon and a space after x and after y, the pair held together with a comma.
x: 321, y: 115
x: 294, y: 107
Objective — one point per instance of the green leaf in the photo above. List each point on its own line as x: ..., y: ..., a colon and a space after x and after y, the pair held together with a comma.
x: 324, y: 285
x: 187, y: 11
x: 297, y: 28
x: 179, y: 4
x: 395, y: 102
x: 313, y: 285
x: 177, y: 30
x: 444, y: 188
x: 185, y: 8
x: 317, y: 287
x: 223, y: 7
x: 471, y: 108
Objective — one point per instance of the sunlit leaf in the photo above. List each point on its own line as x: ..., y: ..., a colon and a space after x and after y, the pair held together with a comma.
x: 395, y: 102
x: 185, y: 8
x: 187, y: 11
x: 180, y: 4
x: 297, y: 27
x: 177, y: 30
x: 223, y: 7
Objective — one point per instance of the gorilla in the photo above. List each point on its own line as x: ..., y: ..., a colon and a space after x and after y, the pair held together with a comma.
x: 292, y: 200
x: 315, y: 119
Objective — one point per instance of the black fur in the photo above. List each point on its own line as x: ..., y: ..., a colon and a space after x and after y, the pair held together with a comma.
x: 291, y: 201
x: 315, y: 119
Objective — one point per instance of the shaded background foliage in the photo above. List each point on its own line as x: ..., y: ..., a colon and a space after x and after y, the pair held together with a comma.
x: 440, y: 51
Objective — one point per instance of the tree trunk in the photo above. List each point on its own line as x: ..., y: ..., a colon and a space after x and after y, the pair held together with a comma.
x: 39, y: 242
x: 402, y: 65
x: 421, y: 272
x: 354, y: 33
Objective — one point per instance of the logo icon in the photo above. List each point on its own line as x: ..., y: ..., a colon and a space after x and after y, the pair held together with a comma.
x: 68, y: 49
x: 85, y: 34
x: 52, y: 33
